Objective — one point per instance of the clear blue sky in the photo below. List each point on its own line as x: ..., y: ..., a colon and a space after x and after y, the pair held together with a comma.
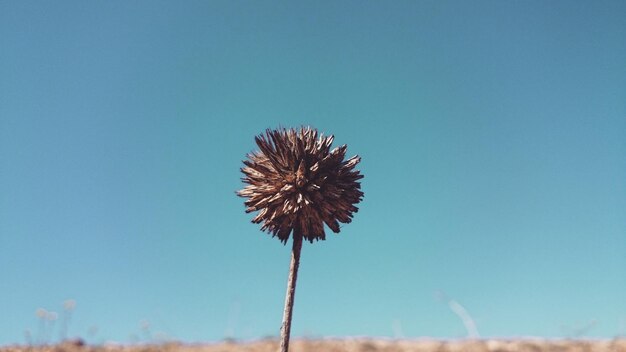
x: 493, y: 142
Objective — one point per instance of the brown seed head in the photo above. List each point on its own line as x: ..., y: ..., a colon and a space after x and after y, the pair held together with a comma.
x: 297, y: 183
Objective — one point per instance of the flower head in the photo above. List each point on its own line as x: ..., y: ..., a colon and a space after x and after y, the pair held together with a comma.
x: 297, y: 183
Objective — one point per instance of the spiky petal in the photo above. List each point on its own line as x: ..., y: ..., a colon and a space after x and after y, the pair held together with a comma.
x: 297, y: 184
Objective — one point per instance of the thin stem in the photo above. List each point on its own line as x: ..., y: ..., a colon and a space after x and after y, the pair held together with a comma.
x: 285, y: 329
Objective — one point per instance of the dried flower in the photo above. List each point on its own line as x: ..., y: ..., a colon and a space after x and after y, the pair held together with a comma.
x: 41, y: 313
x: 69, y: 304
x: 297, y: 184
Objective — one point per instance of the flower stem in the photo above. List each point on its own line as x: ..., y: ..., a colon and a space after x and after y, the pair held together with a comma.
x: 285, y: 329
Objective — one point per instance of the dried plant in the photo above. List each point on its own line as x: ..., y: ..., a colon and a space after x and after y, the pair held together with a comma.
x: 298, y: 184
x: 68, y: 309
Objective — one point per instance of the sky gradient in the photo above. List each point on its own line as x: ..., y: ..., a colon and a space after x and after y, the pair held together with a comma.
x: 492, y: 137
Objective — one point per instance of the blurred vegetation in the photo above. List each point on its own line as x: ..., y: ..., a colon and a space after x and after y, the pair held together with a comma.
x: 346, y: 345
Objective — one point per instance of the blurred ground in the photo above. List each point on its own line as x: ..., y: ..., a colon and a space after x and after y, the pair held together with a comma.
x: 349, y: 345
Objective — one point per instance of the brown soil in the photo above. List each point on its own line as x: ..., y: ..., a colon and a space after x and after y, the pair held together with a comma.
x: 349, y: 345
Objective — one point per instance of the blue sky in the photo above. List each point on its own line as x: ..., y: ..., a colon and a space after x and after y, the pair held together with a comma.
x: 491, y: 132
